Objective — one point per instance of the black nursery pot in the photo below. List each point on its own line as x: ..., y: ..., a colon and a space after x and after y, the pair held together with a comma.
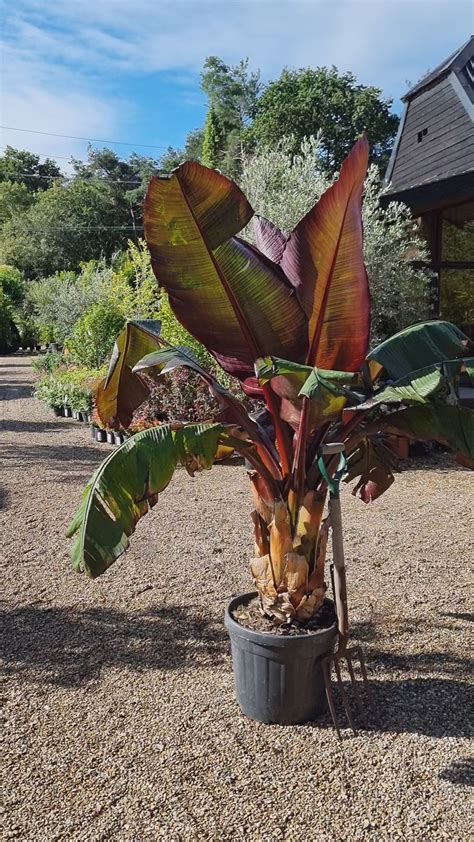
x: 278, y: 678
x: 57, y: 411
x: 67, y: 412
x: 100, y: 435
x: 110, y: 437
x: 119, y: 438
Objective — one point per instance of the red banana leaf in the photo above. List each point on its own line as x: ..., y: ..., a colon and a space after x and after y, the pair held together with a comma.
x: 231, y: 298
x: 324, y: 261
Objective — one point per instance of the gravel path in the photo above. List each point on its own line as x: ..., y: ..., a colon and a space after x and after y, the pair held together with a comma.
x: 120, y: 717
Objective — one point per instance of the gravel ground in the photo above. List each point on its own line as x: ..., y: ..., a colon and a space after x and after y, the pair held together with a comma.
x: 120, y: 718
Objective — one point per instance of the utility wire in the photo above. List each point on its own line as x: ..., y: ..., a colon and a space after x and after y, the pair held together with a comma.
x: 137, y: 182
x: 89, y: 139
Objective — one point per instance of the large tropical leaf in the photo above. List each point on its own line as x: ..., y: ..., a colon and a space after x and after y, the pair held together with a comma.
x: 416, y: 347
x: 324, y: 261
x: 123, y: 390
x: 232, y: 299
x: 328, y: 391
x: 126, y: 486
x: 269, y: 239
x: 453, y: 425
x: 373, y: 463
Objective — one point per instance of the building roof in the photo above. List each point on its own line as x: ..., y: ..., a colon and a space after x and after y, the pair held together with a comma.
x: 455, y: 61
x: 433, y: 153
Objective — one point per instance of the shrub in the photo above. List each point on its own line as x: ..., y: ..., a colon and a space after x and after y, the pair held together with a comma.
x: 94, y: 335
x: 72, y: 386
x: 49, y: 362
x: 9, y: 336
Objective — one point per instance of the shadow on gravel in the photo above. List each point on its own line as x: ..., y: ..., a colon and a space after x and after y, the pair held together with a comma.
x: 459, y: 772
x: 434, y: 707
x: 4, y: 498
x: 13, y: 391
x: 32, y: 426
x: 67, y: 647
x: 53, y: 455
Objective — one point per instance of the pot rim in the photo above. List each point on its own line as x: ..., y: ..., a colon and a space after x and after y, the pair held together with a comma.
x: 278, y: 640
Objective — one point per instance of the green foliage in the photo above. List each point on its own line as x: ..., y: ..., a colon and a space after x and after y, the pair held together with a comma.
x: 12, y: 285
x: 70, y: 386
x: 15, y: 199
x: 94, y: 335
x: 192, y: 151
x: 49, y: 362
x: 9, y: 336
x: 21, y: 167
x: 283, y: 186
x: 233, y: 93
x: 322, y: 100
x: 212, y: 144
x: 67, y: 224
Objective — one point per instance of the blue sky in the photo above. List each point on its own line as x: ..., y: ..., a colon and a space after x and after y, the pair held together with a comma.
x: 129, y: 69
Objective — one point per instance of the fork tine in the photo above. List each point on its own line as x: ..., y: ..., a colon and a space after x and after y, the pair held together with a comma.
x: 363, y: 670
x: 350, y: 667
x: 344, y: 698
x: 326, y: 667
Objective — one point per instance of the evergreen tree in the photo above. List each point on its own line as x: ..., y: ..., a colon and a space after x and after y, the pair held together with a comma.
x: 213, y: 140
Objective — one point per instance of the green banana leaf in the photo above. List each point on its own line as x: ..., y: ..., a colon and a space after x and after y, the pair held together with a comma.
x: 327, y: 390
x: 453, y: 425
x: 127, y: 484
x: 123, y: 390
x: 417, y: 347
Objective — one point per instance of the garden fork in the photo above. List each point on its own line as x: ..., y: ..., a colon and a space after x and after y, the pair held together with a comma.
x: 338, y: 576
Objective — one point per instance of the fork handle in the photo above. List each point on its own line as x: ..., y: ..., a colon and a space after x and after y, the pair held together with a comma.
x: 340, y: 587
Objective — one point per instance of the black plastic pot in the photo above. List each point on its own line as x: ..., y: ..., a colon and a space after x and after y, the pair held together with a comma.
x: 58, y: 411
x: 67, y: 411
x: 110, y: 437
x: 93, y: 431
x: 119, y: 438
x: 100, y: 435
x: 75, y: 415
x: 278, y: 678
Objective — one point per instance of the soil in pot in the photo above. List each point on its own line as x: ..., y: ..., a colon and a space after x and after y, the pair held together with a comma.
x: 250, y: 616
x: 278, y: 677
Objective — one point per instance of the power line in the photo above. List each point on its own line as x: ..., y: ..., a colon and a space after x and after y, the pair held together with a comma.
x: 88, y: 139
x: 136, y: 181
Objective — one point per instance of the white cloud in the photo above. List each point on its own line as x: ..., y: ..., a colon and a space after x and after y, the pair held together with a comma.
x: 66, y: 53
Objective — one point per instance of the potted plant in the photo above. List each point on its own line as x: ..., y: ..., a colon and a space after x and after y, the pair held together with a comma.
x: 289, y: 317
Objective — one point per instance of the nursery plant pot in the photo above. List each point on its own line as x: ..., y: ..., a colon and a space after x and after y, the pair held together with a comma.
x: 110, y: 437
x: 67, y: 412
x: 119, y: 438
x: 75, y: 415
x: 93, y: 431
x: 100, y: 435
x: 57, y: 411
x: 278, y: 678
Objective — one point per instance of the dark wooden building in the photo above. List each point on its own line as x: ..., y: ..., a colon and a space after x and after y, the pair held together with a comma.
x: 432, y: 171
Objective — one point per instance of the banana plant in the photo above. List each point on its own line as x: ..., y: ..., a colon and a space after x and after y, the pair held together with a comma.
x: 289, y: 317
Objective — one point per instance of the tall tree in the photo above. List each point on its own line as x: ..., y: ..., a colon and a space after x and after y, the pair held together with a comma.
x: 324, y: 102
x: 233, y: 93
x: 212, y: 145
x: 20, y: 167
x: 66, y: 225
